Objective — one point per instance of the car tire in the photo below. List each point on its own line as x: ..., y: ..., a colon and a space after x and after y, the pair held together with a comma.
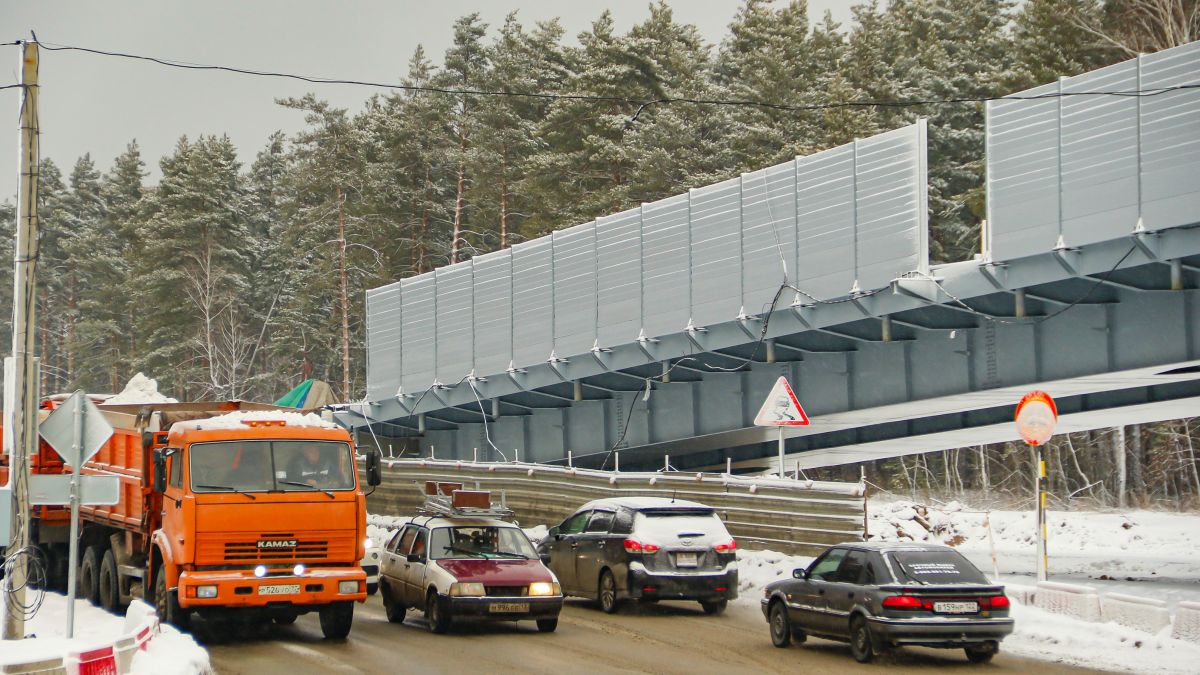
x: 336, y: 620
x: 395, y: 611
x: 714, y: 607
x: 88, y: 584
x: 547, y: 625
x: 435, y: 615
x: 779, y: 624
x: 285, y: 620
x: 981, y: 653
x: 166, y: 603
x: 860, y: 640
x: 606, y: 593
x: 108, y: 590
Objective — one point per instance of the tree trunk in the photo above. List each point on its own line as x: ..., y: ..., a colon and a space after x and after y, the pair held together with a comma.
x: 460, y: 192
x: 72, y: 319
x: 344, y: 294
x: 504, y: 196
x: 984, y: 482
x: 1137, y: 480
x: 421, y: 248
x: 1119, y: 460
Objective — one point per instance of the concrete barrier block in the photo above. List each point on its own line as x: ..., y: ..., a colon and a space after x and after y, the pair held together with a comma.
x: 54, y: 666
x: 1080, y: 602
x: 123, y: 650
x: 1142, y: 614
x: 1022, y: 595
x: 1187, y: 622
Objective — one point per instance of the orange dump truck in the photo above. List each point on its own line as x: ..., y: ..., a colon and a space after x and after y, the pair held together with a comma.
x: 227, y: 510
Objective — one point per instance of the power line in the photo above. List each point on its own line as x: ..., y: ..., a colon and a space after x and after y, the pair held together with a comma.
x: 641, y: 103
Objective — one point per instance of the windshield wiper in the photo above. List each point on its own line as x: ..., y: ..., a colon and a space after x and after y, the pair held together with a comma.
x: 310, y: 487
x: 512, y: 554
x: 226, y: 487
x: 455, y: 549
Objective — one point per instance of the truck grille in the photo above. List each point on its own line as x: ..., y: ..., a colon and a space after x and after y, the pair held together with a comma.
x: 275, y: 547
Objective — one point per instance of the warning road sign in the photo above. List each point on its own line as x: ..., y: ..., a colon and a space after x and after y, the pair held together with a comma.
x: 781, y: 409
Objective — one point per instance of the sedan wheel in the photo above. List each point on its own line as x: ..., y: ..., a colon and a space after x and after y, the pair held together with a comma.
x: 860, y: 640
x: 608, y: 592
x: 439, y: 620
x: 394, y: 610
x: 981, y: 653
x: 781, y: 625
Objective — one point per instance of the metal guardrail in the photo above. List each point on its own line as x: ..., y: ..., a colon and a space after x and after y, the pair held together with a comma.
x: 791, y: 516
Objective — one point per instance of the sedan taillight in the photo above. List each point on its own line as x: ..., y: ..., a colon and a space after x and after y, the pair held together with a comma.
x: 995, y: 602
x: 728, y: 547
x: 903, y: 602
x: 635, y: 546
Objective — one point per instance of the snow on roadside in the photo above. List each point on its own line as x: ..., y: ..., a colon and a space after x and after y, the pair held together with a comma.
x: 168, y: 653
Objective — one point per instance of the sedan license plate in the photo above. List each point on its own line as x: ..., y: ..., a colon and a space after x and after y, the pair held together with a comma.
x: 279, y: 589
x: 685, y: 559
x: 956, y: 607
x: 508, y: 607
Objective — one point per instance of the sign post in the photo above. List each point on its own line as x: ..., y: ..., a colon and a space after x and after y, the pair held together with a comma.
x: 781, y: 409
x: 76, y: 430
x: 1036, y: 416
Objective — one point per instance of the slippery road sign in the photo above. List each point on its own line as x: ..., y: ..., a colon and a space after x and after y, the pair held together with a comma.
x: 781, y: 409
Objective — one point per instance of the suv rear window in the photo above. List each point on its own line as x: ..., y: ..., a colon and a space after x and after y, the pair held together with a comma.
x: 667, y: 526
x: 935, y: 567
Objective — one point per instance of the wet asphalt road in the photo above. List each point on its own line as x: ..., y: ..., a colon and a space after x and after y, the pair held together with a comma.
x: 668, y: 637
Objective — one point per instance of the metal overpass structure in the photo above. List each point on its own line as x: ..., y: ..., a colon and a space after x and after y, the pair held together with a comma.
x: 659, y: 331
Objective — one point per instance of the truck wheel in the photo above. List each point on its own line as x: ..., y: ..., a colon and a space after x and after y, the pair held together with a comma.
x: 336, y: 619
x: 439, y: 620
x: 714, y: 607
x: 89, y: 570
x: 108, y: 589
x: 166, y: 603
x: 394, y: 610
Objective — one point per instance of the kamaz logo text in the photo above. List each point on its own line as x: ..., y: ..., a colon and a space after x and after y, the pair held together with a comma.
x: 277, y: 543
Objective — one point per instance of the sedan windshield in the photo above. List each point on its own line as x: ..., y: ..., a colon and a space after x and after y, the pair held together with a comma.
x: 482, y: 542
x: 261, y: 466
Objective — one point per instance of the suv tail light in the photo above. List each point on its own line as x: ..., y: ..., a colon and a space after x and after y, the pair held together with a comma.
x: 903, y: 602
x: 728, y: 547
x: 635, y: 546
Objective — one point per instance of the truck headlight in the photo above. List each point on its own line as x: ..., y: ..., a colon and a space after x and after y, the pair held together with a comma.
x: 347, y: 587
x: 367, y: 543
x: 544, y: 588
x: 206, y: 591
x: 298, y: 570
x: 460, y: 589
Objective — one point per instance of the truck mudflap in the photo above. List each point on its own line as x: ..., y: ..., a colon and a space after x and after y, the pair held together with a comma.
x: 240, y: 588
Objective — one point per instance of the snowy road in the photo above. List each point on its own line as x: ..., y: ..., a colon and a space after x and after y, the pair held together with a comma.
x: 663, y: 638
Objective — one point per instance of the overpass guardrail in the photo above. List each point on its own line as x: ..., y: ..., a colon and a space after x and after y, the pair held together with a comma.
x: 799, y: 517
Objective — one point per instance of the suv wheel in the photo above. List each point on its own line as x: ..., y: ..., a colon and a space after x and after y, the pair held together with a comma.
x: 781, y: 625
x: 714, y: 606
x: 860, y: 640
x: 607, y: 592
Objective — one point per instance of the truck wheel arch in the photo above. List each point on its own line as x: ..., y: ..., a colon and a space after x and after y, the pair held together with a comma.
x: 160, y: 553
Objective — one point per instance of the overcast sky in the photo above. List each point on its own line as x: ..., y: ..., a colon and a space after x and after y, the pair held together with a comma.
x: 97, y: 104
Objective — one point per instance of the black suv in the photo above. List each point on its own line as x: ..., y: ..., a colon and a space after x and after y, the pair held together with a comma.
x: 877, y: 596
x: 648, y: 548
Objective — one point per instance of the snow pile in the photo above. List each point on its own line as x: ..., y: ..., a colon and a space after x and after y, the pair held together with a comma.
x: 140, y: 389
x: 537, y: 533
x: 756, y: 569
x: 1133, y: 544
x: 238, y: 419
x: 170, y: 652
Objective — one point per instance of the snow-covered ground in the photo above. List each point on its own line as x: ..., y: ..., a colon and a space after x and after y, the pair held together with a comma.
x: 168, y: 653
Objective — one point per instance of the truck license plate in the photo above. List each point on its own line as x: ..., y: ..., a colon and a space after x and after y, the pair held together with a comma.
x: 279, y: 589
x: 956, y: 607
x: 685, y: 559
x: 508, y: 607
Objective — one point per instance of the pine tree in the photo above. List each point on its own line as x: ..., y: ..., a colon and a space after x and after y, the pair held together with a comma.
x: 1051, y: 39
x: 465, y: 64
x: 90, y: 250
x: 122, y: 190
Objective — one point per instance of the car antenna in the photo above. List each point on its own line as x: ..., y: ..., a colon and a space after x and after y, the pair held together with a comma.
x: 673, y: 495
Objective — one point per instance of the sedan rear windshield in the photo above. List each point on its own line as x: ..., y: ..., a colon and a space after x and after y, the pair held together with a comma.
x: 935, y: 567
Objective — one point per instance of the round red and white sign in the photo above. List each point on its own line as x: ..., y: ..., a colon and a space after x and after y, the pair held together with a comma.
x: 1036, y: 417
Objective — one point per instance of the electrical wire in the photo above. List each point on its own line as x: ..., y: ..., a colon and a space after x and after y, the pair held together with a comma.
x: 35, y: 580
x: 641, y: 103
x: 471, y: 381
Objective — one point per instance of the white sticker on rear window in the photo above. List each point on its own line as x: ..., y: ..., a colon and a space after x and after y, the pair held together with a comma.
x: 932, y: 568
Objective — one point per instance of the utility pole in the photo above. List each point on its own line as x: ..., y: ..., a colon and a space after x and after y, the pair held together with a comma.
x: 21, y: 418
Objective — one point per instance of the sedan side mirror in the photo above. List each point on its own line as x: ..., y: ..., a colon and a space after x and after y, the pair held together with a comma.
x: 799, y: 573
x: 545, y: 556
x: 553, y: 532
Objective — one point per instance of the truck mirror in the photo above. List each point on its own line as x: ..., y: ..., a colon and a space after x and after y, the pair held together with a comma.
x: 374, y: 471
x: 160, y: 470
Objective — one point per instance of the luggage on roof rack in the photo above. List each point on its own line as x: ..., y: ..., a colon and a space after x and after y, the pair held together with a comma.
x: 450, y: 500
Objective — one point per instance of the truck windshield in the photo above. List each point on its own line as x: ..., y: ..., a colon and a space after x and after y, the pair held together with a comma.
x: 480, y: 542
x: 261, y: 466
